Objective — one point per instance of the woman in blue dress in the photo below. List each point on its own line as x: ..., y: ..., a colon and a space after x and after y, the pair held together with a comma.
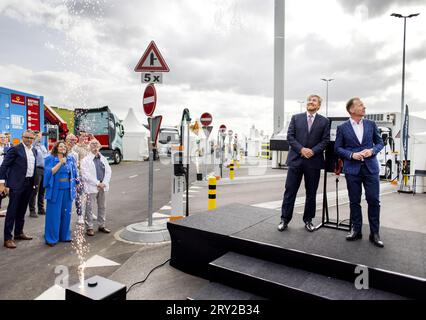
x: 60, y: 173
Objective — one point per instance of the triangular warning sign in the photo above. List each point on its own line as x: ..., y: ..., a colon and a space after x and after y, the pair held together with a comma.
x: 152, y: 60
x: 207, y: 130
x: 154, y: 127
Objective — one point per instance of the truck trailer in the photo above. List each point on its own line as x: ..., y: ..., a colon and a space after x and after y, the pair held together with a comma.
x: 20, y: 111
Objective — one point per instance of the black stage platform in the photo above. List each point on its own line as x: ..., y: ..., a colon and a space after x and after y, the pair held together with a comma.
x: 239, y: 246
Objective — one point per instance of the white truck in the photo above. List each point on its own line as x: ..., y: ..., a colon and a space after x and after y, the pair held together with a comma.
x: 389, y: 127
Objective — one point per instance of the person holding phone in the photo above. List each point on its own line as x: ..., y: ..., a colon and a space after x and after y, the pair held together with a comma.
x: 60, y: 182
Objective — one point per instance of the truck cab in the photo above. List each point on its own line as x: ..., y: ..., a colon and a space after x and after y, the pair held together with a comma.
x: 167, y: 137
x: 105, y: 127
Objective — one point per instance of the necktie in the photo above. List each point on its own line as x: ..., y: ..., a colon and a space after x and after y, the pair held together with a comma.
x: 309, y: 123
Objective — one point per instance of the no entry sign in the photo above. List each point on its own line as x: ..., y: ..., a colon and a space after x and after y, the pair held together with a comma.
x: 222, y: 128
x: 149, y: 99
x: 206, y: 119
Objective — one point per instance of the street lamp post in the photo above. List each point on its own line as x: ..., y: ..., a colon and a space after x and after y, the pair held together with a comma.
x: 397, y: 15
x: 326, y: 97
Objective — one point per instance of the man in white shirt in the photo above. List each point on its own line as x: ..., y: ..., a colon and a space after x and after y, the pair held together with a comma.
x: 17, y: 173
x: 96, y: 173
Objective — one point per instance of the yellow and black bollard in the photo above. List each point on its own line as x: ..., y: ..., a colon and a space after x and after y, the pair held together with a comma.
x: 266, y: 154
x: 231, y: 170
x: 212, y: 193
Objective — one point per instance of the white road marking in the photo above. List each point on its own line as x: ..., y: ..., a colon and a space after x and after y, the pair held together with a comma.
x: 98, y: 261
x: 331, y: 198
x: 159, y: 215
x: 55, y: 292
x: 166, y: 208
x: 134, y: 176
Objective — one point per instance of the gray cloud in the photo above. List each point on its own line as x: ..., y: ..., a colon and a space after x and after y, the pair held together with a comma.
x: 376, y: 7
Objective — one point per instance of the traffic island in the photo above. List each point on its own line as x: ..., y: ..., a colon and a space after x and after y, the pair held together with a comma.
x: 143, y: 233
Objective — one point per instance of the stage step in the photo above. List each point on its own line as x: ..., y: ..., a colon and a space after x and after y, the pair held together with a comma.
x: 277, y: 281
x: 217, y: 291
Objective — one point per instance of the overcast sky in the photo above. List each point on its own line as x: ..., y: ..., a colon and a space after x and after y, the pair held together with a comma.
x: 220, y: 55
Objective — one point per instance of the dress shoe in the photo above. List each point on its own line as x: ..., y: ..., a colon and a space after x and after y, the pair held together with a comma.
x: 90, y: 232
x: 23, y: 236
x: 375, y: 239
x: 41, y: 212
x: 10, y: 244
x: 354, y: 235
x: 51, y: 244
x: 282, y: 226
x: 309, y: 226
x: 104, y: 230
x: 33, y: 215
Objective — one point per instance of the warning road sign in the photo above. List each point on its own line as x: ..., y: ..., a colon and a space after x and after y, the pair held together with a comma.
x: 152, y: 60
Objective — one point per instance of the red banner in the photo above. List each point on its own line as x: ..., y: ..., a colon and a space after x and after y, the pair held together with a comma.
x: 18, y: 99
x: 33, y: 114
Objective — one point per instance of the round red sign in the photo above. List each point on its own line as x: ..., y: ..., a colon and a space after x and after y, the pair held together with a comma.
x: 206, y: 119
x: 149, y: 99
x: 222, y: 128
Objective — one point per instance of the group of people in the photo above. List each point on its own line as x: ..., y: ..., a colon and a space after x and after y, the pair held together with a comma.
x: 357, y: 143
x: 74, y: 172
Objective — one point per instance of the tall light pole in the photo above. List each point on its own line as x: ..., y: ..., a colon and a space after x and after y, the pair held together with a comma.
x: 301, y: 104
x: 401, y: 150
x: 326, y: 97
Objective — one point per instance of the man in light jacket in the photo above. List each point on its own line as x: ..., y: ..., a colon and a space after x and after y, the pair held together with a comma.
x: 96, y: 173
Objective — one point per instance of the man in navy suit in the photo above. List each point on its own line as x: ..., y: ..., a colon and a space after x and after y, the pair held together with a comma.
x: 17, y: 173
x: 308, y: 135
x: 357, y: 142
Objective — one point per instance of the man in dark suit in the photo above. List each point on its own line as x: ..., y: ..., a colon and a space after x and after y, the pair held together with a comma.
x: 17, y: 173
x: 357, y: 142
x: 308, y: 135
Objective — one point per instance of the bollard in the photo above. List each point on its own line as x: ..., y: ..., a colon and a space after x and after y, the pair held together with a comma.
x: 238, y: 164
x: 212, y: 193
x: 231, y: 170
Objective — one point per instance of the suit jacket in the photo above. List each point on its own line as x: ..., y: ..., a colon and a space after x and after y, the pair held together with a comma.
x: 14, y: 166
x: 51, y: 181
x: 317, y: 139
x: 88, y: 173
x: 347, y: 143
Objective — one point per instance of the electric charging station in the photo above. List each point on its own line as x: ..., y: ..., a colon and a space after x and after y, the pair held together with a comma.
x: 178, y: 180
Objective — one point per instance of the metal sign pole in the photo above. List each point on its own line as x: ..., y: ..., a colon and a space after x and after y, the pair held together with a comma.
x: 205, y: 158
x: 151, y: 181
x: 187, y: 171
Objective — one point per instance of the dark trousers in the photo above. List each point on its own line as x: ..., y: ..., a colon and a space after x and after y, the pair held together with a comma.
x: 292, y: 184
x: 372, y: 190
x: 18, y: 203
x: 39, y: 190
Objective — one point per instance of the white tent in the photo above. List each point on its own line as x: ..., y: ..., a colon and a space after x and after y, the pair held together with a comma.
x: 135, y: 145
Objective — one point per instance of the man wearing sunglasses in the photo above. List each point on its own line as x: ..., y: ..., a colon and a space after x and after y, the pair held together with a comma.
x: 17, y: 177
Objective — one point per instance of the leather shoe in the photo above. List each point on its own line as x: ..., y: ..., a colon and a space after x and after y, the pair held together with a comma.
x: 10, y: 244
x: 33, y: 215
x: 41, y: 212
x: 354, y: 235
x: 51, y: 244
x: 23, y: 236
x: 104, y: 230
x: 282, y: 226
x: 309, y: 226
x: 90, y: 232
x: 375, y: 239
